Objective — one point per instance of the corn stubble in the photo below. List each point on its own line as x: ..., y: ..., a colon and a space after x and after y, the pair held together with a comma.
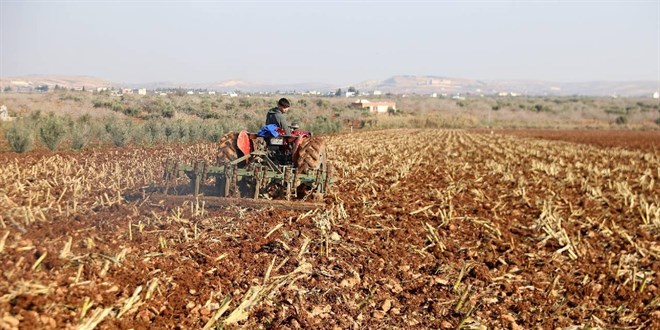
x: 424, y: 228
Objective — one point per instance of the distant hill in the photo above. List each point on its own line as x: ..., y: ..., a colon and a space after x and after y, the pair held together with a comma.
x: 397, y: 84
x: 246, y: 86
x: 450, y: 86
x: 424, y: 85
x: 34, y: 81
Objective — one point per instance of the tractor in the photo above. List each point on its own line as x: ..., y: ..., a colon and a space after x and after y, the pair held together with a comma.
x: 264, y: 165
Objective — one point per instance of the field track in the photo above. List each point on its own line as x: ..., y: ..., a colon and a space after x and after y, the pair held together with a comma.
x: 440, y: 229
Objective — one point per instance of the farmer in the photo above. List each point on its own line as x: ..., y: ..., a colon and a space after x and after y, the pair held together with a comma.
x: 277, y: 116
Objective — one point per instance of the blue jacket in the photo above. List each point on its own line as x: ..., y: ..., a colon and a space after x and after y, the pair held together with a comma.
x: 268, y: 131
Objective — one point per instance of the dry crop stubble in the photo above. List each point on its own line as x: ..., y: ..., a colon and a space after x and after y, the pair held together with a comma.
x: 424, y: 228
x: 499, y: 187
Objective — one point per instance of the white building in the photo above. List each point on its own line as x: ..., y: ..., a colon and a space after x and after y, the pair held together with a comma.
x: 656, y: 95
x: 142, y: 91
x: 3, y: 113
x: 378, y: 107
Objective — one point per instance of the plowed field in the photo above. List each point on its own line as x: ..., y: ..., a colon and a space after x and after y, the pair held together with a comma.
x: 423, y: 229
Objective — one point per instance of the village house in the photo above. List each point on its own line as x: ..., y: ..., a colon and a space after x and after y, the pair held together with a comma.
x: 4, y: 114
x: 378, y: 107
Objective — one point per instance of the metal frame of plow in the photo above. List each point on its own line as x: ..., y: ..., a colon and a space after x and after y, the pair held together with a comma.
x: 262, y: 174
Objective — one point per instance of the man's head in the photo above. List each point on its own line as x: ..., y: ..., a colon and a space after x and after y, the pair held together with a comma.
x: 283, y: 104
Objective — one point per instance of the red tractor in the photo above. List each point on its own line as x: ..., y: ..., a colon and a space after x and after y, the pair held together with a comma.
x: 256, y: 165
x: 299, y: 150
x: 260, y: 169
x: 293, y: 166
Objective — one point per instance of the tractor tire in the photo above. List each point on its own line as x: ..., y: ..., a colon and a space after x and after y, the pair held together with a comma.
x: 311, y: 156
x: 259, y: 144
x: 228, y: 148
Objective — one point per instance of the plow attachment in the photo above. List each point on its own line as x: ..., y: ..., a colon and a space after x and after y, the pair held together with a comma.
x: 211, y: 202
x: 252, y: 178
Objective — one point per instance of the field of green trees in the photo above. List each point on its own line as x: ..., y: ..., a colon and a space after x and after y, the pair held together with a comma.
x: 74, y: 120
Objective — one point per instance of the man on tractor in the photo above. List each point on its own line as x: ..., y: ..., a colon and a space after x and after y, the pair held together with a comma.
x: 277, y: 116
x: 279, y: 147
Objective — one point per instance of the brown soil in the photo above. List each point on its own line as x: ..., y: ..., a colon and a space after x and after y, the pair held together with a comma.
x: 637, y: 140
x: 423, y: 229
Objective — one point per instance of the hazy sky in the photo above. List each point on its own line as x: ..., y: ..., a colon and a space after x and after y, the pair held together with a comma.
x: 331, y: 41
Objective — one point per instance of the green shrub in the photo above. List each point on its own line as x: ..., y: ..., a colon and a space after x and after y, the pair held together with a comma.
x: 72, y: 97
x: 245, y: 103
x: 81, y: 134
x: 621, y: 120
x: 255, y: 125
x: 153, y: 130
x: 36, y: 116
x: 324, y: 125
x: 213, y: 133
x: 52, y: 131
x: 20, y: 136
x: 169, y: 131
x: 204, y: 131
x: 208, y: 114
x: 102, y: 104
x: 132, y: 111
x: 117, y: 107
x: 119, y: 132
x: 657, y: 121
x: 194, y: 130
x: 181, y: 131
x: 158, y: 107
x: 169, y: 112
x: 615, y: 110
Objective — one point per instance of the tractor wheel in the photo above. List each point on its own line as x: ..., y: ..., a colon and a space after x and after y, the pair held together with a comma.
x: 227, y: 148
x: 311, y: 156
x: 259, y: 144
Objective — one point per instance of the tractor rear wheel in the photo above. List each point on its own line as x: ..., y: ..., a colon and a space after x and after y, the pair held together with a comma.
x: 228, y: 148
x: 311, y: 156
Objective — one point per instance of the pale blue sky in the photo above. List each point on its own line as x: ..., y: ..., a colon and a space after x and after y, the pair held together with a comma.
x: 331, y: 41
